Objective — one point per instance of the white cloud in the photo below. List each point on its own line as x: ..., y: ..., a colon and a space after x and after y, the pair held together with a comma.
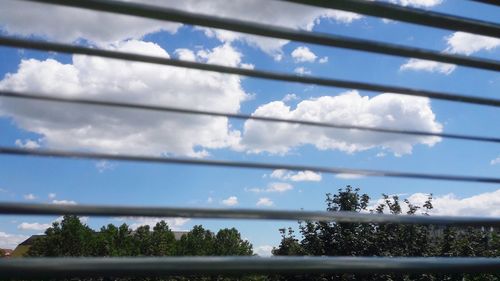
x: 483, y: 204
x: 289, y: 97
x: 295, y: 176
x: 457, y: 43
x: 323, y: 60
x: 384, y: 110
x: 29, y: 196
x: 29, y: 144
x: 272, y: 187
x: 276, y: 13
x: 495, y: 161
x: 418, y: 3
x: 10, y: 241
x: 82, y: 219
x: 279, y: 187
x: 210, y: 200
x: 429, y: 66
x: 467, y: 44
x: 302, y: 70
x: 51, y: 195
x: 173, y: 223
x: 124, y: 131
x: 230, y: 201
x: 303, y: 54
x: 264, y: 250
x: 185, y: 54
x: 70, y: 24
x: 34, y: 226
x: 264, y: 201
x: 103, y: 166
x: 64, y: 202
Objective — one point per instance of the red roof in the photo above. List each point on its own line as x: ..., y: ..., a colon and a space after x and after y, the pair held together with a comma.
x: 7, y: 252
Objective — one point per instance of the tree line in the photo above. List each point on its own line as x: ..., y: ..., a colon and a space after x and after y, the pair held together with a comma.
x: 389, y: 240
x: 309, y: 238
x: 71, y: 237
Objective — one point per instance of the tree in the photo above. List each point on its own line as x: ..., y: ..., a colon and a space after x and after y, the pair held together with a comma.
x: 289, y: 245
x: 68, y: 238
x: 228, y: 242
x: 115, y: 241
x: 197, y: 242
x: 354, y: 239
x: 162, y: 240
x: 143, y: 242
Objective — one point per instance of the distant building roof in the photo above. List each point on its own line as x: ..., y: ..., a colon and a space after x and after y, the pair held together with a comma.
x: 6, y: 252
x: 179, y: 234
x: 31, y: 240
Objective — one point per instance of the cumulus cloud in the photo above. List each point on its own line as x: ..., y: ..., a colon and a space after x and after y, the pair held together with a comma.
x: 10, y: 241
x: 272, y: 187
x: 83, y: 219
x: 34, y: 226
x: 457, y: 43
x: 384, y: 110
x: 70, y: 24
x: 295, y: 176
x: 51, y: 195
x: 124, y: 131
x: 495, y: 161
x: 64, y: 202
x: 303, y: 54
x: 467, y: 44
x: 290, y: 97
x: 428, y: 66
x: 230, y: 201
x: 302, y: 70
x: 103, y: 166
x: 264, y: 201
x: 276, y: 13
x: 29, y: 196
x: 264, y: 250
x: 27, y: 143
x: 323, y: 60
x: 173, y: 223
x: 483, y: 204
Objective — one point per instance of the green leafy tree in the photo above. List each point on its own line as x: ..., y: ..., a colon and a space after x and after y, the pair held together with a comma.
x: 353, y: 239
x: 163, y: 240
x: 228, y: 242
x: 143, y: 242
x: 68, y: 238
x: 115, y: 241
x: 197, y: 242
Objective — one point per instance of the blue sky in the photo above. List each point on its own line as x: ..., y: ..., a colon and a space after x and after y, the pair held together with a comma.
x: 55, y: 181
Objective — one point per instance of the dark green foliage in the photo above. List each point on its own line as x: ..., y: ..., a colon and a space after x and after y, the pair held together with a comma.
x: 68, y: 238
x: 72, y: 238
x: 353, y: 239
x: 198, y: 242
x: 228, y: 242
